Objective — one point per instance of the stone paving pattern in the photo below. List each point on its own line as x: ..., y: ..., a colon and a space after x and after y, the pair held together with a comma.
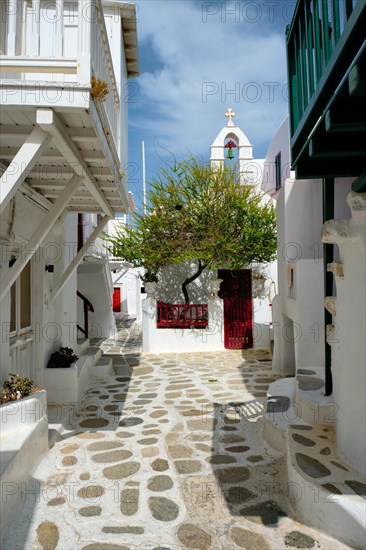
x: 166, y: 454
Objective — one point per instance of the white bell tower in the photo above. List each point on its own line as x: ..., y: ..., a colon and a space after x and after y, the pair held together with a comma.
x: 250, y: 169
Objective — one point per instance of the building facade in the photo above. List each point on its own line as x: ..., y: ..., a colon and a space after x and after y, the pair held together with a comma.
x: 65, y: 68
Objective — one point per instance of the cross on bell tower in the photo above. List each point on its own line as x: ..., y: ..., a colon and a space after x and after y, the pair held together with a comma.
x: 230, y: 115
x: 232, y: 136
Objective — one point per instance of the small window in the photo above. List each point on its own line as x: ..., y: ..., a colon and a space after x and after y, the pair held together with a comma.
x: 278, y: 171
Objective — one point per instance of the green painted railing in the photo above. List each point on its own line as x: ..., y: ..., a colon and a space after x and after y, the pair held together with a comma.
x: 316, y: 29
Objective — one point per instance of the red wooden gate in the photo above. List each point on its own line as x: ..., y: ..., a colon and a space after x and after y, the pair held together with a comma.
x: 236, y: 291
x: 117, y: 299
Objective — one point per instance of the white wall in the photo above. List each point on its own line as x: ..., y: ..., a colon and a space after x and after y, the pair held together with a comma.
x: 53, y: 325
x: 348, y: 341
x: 157, y: 340
x: 301, y: 318
x: 279, y: 144
x: 169, y: 288
x: 300, y: 313
x: 92, y: 282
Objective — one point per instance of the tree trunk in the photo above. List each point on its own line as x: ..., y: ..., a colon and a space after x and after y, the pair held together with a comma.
x: 190, y: 280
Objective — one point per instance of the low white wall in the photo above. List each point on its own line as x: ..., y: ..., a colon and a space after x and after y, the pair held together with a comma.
x: 24, y: 441
x: 182, y: 340
x: 23, y: 414
x: 68, y: 385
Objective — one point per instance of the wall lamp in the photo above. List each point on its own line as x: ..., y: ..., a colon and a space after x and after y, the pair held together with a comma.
x: 50, y: 268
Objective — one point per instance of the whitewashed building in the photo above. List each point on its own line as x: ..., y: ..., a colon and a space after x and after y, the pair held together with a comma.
x: 319, y: 313
x: 65, y: 70
x: 126, y: 280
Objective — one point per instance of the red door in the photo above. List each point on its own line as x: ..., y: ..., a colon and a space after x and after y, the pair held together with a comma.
x: 236, y: 291
x: 117, y: 299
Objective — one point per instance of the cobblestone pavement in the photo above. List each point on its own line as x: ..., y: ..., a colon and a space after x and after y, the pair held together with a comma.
x: 166, y: 454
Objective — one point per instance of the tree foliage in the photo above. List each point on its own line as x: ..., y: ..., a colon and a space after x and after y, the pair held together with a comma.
x: 199, y: 214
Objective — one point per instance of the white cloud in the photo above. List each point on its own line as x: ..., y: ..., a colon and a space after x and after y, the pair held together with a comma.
x: 207, y: 67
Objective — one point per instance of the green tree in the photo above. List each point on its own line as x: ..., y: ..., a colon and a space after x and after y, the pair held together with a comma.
x: 199, y: 215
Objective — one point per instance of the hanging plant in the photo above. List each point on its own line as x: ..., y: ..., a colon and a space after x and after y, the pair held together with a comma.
x: 99, y: 89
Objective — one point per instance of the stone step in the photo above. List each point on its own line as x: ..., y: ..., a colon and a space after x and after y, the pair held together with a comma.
x: 82, y: 345
x: 94, y: 353
x: 311, y: 403
x: 280, y: 413
x: 60, y: 418
x: 103, y: 368
x: 294, y: 401
x: 323, y: 491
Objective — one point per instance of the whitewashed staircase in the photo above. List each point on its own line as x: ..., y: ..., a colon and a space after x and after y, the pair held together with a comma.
x: 67, y: 396
x: 68, y: 386
x: 321, y: 489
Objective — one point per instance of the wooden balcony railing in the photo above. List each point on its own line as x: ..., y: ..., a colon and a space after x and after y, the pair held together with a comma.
x: 62, y: 44
x: 322, y: 41
x: 182, y: 315
x: 102, y: 68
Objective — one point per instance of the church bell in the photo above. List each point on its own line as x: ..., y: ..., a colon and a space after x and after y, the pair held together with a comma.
x: 230, y: 154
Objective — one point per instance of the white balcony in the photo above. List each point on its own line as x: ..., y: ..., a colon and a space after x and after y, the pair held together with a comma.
x: 50, y: 52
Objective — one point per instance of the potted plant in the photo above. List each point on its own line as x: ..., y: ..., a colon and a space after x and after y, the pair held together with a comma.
x: 62, y: 358
x: 23, y: 406
x: 16, y: 388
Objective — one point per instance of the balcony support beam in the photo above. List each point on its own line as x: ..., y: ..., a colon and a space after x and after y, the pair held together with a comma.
x: 39, y: 235
x: 357, y: 81
x: 49, y: 121
x: 331, y: 150
x: 76, y: 134
x: 341, y: 120
x: 21, y: 165
x: 78, y: 259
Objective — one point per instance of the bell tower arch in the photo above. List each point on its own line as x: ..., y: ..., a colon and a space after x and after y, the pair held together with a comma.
x: 231, y: 137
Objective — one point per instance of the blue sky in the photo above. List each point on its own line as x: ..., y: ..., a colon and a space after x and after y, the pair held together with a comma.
x: 196, y: 60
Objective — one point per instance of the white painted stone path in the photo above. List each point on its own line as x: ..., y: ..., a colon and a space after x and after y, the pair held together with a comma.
x: 166, y: 454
